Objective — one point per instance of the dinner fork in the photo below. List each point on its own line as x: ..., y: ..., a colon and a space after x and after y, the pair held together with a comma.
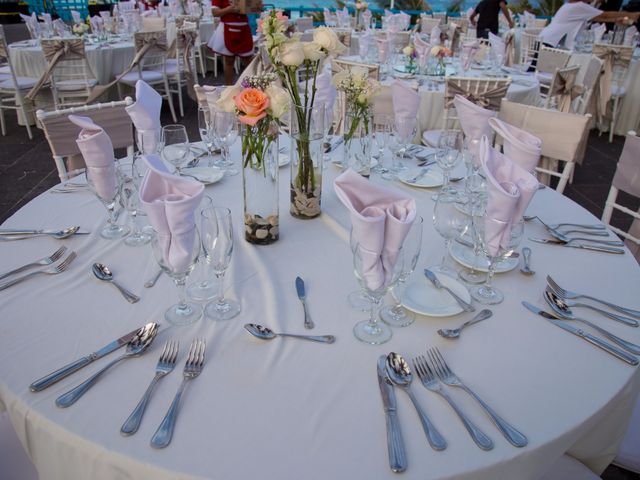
x: 192, y: 368
x: 446, y: 375
x: 54, y: 257
x: 430, y: 382
x: 61, y: 267
x: 562, y: 293
x: 166, y: 363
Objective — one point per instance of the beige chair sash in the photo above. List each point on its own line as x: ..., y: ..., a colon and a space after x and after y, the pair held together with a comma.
x: 344, y: 36
x: 627, y: 177
x: 4, y: 54
x: 145, y: 42
x: 509, y: 48
x: 54, y: 51
x: 565, y: 88
x: 612, y: 56
x: 186, y: 18
x: 489, y: 99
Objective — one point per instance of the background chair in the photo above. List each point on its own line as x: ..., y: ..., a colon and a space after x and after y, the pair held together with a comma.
x: 153, y: 24
x: 590, y: 79
x: 550, y: 60
x: 427, y: 24
x: 563, y: 89
x: 529, y: 46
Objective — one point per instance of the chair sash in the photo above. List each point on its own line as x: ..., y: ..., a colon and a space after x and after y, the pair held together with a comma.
x: 565, y: 88
x: 4, y: 54
x: 54, y: 51
x: 612, y: 56
x: 145, y: 42
x: 510, y: 48
x: 627, y: 177
x: 489, y: 99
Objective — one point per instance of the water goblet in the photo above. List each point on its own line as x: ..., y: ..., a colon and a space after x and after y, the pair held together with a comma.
x: 205, y: 127
x: 476, y: 207
x: 447, y: 155
x: 217, y: 243
x: 130, y: 200
x: 105, y: 184
x: 450, y: 223
x: 225, y: 131
x: 178, y: 269
x: 175, y: 145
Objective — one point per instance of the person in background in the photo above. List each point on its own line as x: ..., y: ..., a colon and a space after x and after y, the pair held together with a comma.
x: 488, y: 12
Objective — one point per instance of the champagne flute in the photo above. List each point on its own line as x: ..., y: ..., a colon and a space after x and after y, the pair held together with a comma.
x: 175, y: 145
x: 130, y: 200
x: 203, y: 288
x: 381, y: 133
x: 225, y: 130
x: 205, y: 127
x: 405, y: 129
x: 450, y: 223
x: 447, y: 155
x: 105, y: 184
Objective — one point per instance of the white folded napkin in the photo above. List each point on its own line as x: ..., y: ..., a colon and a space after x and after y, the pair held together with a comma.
x: 364, y: 44
x: 406, y: 101
x: 519, y: 146
x: 434, y: 37
x: 201, y: 94
x: 383, y: 49
x: 96, y: 24
x: 598, y: 31
x: 145, y: 115
x: 380, y: 219
x: 213, y: 95
x: 75, y: 15
x: 474, y: 121
x: 170, y: 202
x: 510, y: 189
x: 498, y: 46
x: 423, y: 49
x: 97, y: 151
x: 366, y: 18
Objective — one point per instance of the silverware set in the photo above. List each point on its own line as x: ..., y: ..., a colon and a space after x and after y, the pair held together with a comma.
x: 102, y: 272
x: 24, y: 234
x: 467, y: 307
x: 302, y: 296
x: 49, y: 262
x: 265, y: 333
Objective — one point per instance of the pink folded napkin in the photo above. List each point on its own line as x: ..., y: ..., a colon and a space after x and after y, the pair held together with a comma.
x: 498, y: 46
x: 469, y: 50
x: 381, y: 219
x: 75, y: 15
x: 46, y: 18
x: 145, y: 115
x: 519, y: 146
x: 598, y: 31
x: 434, y: 37
x: 104, y: 14
x: 423, y: 49
x: 510, y: 188
x: 406, y: 101
x: 364, y: 44
x: 96, y: 24
x: 474, y: 121
x: 366, y: 18
x: 170, y: 202
x: 404, y: 20
x: 97, y: 151
x: 383, y: 49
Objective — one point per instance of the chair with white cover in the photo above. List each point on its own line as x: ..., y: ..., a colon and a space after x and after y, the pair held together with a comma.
x: 563, y: 90
x: 303, y: 24
x: 562, y: 134
x: 16, y: 465
x: 462, y: 23
x: 568, y: 468
x: 400, y: 39
x: 589, y: 81
x: 484, y: 92
x: 617, y: 59
x: 153, y: 23
x: 441, y: 16
x: 205, y: 53
x: 183, y: 64
x: 550, y: 60
x: 627, y: 179
x: 13, y: 89
x: 541, y: 23
x: 529, y: 46
x: 61, y: 133
x: 427, y: 24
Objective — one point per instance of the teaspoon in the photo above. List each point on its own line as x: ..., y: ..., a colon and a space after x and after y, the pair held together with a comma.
x: 57, y: 234
x: 455, y: 332
x: 526, y: 255
x: 265, y: 333
x: 103, y: 273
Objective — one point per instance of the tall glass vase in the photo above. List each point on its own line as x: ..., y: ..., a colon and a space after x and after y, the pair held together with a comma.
x: 260, y: 172
x: 358, y: 141
x: 307, y: 139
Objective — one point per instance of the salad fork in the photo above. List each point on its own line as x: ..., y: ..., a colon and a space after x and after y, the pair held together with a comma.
x: 192, y: 368
x: 166, y: 363
x: 54, y: 257
x: 430, y: 382
x: 61, y: 267
x: 446, y: 375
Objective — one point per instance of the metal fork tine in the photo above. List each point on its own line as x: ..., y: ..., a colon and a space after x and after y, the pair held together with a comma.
x: 67, y: 261
x: 442, y: 362
x: 555, y: 287
x: 58, y: 253
x: 435, y: 364
x: 417, y: 367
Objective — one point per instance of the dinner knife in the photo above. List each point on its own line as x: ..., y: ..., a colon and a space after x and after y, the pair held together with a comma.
x: 596, y: 248
x: 606, y: 346
x: 395, y: 444
x: 308, y: 323
x: 467, y: 307
x: 67, y: 370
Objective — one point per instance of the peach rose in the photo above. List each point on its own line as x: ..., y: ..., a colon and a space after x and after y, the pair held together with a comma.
x: 252, y: 104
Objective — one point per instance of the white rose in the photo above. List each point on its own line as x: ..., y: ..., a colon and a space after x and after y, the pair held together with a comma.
x: 225, y: 102
x: 313, y: 51
x: 327, y: 39
x: 278, y: 100
x: 291, y: 54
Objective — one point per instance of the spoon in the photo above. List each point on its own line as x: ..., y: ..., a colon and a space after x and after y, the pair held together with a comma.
x: 563, y: 311
x: 400, y: 375
x: 265, y: 333
x: 103, y: 273
x: 57, y: 234
x: 526, y: 255
x: 136, y: 346
x: 455, y: 332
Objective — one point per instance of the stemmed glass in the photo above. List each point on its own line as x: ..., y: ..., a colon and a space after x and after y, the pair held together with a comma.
x: 476, y: 197
x: 175, y: 145
x: 381, y: 133
x: 104, y: 182
x: 217, y: 243
x: 405, y: 130
x: 225, y: 131
x: 203, y: 289
x: 130, y: 199
x: 450, y: 223
x: 183, y: 312
x: 205, y: 127
x: 395, y: 315
x: 487, y: 294
x: 371, y: 331
x: 447, y: 155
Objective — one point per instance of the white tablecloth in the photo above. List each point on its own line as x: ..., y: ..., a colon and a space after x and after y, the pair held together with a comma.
x: 290, y: 409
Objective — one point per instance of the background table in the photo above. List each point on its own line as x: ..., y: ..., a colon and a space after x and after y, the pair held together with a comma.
x: 294, y: 409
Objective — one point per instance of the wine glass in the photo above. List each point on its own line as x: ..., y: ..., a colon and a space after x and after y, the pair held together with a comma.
x: 371, y: 331
x: 178, y: 269
x: 205, y: 128
x: 105, y: 184
x: 381, y: 133
x: 395, y: 315
x: 130, y: 200
x: 405, y: 129
x: 217, y: 243
x: 447, y: 155
x: 203, y: 288
x: 148, y: 141
x: 487, y: 294
x: 175, y: 145
x: 225, y: 131
x: 450, y: 222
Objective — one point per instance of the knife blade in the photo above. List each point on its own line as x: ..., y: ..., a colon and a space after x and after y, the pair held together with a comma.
x: 308, y: 323
x: 467, y: 307
x: 595, y: 248
x: 606, y: 346
x: 72, y: 367
x: 395, y: 444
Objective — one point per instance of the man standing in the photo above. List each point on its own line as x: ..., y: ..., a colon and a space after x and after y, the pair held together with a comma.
x: 488, y: 11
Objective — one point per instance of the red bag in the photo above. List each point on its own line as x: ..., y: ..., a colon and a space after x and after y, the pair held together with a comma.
x: 238, y: 39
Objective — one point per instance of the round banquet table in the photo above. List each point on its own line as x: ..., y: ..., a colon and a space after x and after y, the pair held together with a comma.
x: 295, y: 409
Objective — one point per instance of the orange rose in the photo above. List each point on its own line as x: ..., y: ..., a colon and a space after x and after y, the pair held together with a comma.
x: 252, y: 104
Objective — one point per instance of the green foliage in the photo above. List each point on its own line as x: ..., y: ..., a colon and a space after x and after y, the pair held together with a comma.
x: 522, y: 6
x: 455, y: 6
x: 421, y: 5
x: 549, y: 7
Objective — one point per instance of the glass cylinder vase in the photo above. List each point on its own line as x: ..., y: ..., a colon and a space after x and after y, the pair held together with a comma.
x: 260, y: 172
x: 358, y: 141
x: 306, y: 129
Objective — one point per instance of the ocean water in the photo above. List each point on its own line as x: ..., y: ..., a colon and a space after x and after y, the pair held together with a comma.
x: 437, y: 5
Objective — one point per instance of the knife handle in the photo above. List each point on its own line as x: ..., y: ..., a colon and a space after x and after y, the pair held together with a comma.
x: 61, y: 373
x: 613, y: 350
x: 395, y: 444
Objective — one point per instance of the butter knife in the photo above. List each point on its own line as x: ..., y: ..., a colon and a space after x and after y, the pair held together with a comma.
x: 308, y: 323
x: 395, y: 444
x: 467, y: 307
x: 596, y: 248
x: 606, y: 346
x: 67, y: 370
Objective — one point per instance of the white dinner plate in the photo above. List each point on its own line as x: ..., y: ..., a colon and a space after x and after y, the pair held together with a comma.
x: 433, y: 178
x: 420, y: 296
x: 206, y: 175
x: 464, y: 256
